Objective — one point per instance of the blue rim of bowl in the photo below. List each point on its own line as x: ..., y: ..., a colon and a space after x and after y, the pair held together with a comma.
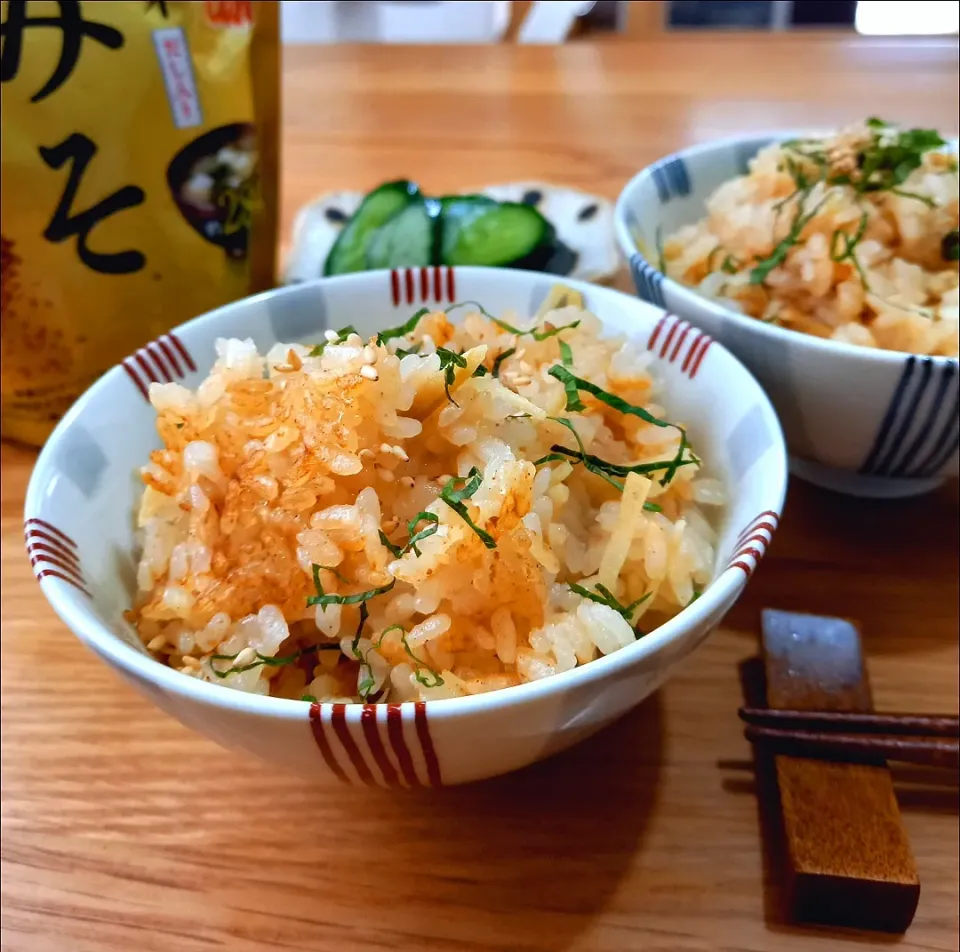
x: 103, y: 641
x: 628, y: 247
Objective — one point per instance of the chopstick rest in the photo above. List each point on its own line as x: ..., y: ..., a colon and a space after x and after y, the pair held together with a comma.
x: 848, y: 861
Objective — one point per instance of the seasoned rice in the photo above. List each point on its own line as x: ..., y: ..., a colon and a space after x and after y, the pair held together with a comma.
x: 406, y: 492
x: 812, y: 240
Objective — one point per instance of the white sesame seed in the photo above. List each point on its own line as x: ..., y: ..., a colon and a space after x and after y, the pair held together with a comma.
x: 407, y: 482
x: 369, y: 372
x: 245, y: 657
x: 385, y: 474
x: 189, y: 661
x: 386, y: 448
x: 354, y: 340
x: 369, y: 355
x: 521, y: 381
x: 400, y: 453
x: 366, y: 453
x: 156, y: 643
x: 331, y: 336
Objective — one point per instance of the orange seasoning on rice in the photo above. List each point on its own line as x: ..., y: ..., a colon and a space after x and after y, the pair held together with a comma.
x: 139, y: 183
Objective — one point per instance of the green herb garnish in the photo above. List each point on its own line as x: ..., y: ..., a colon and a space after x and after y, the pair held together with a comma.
x: 475, y: 304
x: 433, y: 523
x: 342, y: 335
x: 415, y: 535
x: 500, y: 359
x: 429, y: 680
x: 265, y: 660
x: 601, y: 467
x: 481, y: 371
x: 842, y: 247
x: 603, y: 596
x: 776, y: 258
x: 611, y: 400
x: 323, y: 598
x: 365, y: 684
x: 395, y: 550
x: 454, y: 497
x: 570, y: 387
x: 406, y: 328
x: 449, y: 361
x: 730, y: 265
x: 888, y: 162
x: 547, y: 331
x: 882, y: 164
x: 309, y: 698
x: 566, y: 353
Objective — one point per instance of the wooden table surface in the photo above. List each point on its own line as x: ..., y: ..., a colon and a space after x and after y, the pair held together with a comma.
x: 123, y: 830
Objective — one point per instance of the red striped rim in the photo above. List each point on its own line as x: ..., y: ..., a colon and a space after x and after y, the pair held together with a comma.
x: 424, y: 284
x: 339, y: 721
x: 451, y: 286
x: 54, y: 545
x: 680, y: 340
x: 67, y: 567
x: 395, y: 288
x: 685, y: 366
x: 399, y: 744
x: 52, y: 573
x: 167, y: 351
x: 408, y: 285
x: 426, y: 744
x: 756, y: 537
x: 132, y: 374
x: 46, y: 526
x: 744, y: 567
x: 320, y: 736
x: 371, y: 732
x: 670, y: 335
x: 750, y: 550
x: 438, y: 283
x: 148, y: 372
x: 156, y: 361
x: 184, y: 353
x: 757, y: 523
x: 656, y: 331
x: 704, y: 347
x: 57, y: 551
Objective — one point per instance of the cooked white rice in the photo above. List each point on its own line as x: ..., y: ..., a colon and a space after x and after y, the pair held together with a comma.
x: 278, y: 465
x: 868, y: 267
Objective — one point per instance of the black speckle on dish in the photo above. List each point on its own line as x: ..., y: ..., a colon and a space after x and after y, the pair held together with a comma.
x: 334, y: 215
x: 533, y: 197
x: 588, y: 212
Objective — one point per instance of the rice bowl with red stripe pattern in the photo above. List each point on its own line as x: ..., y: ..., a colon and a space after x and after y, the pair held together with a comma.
x: 427, y: 712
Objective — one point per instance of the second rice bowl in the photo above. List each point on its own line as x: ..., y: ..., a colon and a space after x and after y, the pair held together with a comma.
x: 860, y: 420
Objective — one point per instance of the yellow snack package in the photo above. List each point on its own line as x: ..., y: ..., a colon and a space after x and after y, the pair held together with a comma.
x: 139, y: 183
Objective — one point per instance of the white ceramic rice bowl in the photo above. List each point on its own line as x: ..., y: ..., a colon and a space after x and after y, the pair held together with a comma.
x: 80, y: 536
x: 857, y: 420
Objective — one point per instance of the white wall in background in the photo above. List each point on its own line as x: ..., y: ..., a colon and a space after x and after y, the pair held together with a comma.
x: 383, y: 21
x: 916, y: 18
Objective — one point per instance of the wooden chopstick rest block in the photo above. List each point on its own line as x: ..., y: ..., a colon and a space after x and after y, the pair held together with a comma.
x: 847, y: 855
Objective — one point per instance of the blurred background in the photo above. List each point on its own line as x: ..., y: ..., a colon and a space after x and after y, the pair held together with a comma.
x: 556, y: 21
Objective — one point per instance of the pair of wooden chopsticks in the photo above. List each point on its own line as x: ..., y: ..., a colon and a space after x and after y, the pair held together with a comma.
x: 927, y: 739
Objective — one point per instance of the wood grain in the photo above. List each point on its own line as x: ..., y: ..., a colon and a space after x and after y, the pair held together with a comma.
x: 123, y: 830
